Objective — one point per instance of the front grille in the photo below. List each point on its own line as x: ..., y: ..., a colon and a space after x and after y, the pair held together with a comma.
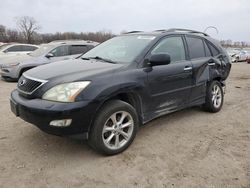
x: 28, y: 85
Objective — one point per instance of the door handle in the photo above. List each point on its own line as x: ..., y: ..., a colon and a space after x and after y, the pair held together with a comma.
x: 211, y: 62
x: 188, y: 68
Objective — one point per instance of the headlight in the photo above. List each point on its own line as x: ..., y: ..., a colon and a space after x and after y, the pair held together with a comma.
x: 65, y: 92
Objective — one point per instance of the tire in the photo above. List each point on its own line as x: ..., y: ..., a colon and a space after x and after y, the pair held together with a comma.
x: 214, y: 97
x: 107, y: 135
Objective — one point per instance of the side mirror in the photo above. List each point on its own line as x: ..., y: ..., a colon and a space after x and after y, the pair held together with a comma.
x: 160, y: 59
x: 49, y: 55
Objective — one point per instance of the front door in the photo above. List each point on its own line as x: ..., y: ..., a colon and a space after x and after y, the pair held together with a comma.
x: 170, y: 85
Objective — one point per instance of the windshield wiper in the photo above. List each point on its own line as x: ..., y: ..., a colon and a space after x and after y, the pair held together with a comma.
x: 102, y: 59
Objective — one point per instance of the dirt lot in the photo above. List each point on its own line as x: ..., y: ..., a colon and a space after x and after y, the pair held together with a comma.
x: 190, y: 148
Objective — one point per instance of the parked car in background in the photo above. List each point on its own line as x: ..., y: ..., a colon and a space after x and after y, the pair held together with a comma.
x: 16, y: 48
x: 237, y: 55
x: 123, y: 83
x: 248, y: 58
x: 232, y: 54
x: 241, y: 56
x: 13, y: 67
x: 2, y: 43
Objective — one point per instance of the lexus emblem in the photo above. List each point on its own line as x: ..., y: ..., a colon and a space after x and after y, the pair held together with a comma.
x: 23, y: 82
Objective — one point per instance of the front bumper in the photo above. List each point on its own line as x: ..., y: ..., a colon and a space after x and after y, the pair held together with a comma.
x: 41, y: 112
x: 11, y: 73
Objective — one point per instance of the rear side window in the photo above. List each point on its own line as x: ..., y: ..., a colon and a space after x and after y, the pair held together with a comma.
x: 78, y: 49
x: 29, y: 48
x: 214, y: 50
x: 196, y: 47
x: 208, y: 52
x: 61, y: 51
x: 172, y: 46
x: 17, y: 48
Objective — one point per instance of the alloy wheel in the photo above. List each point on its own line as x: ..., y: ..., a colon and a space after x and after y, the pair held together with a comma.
x: 117, y: 130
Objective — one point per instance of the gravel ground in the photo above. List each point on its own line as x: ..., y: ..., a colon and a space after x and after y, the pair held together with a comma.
x: 190, y: 148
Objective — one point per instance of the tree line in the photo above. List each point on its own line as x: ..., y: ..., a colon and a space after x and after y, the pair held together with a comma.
x: 27, y: 31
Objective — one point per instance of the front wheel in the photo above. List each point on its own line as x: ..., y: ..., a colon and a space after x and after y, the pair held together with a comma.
x: 114, y: 128
x: 214, y: 97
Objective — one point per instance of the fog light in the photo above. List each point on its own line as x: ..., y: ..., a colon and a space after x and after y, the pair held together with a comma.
x: 61, y: 123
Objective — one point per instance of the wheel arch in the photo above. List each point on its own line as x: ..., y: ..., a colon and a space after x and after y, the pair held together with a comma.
x: 23, y: 69
x: 219, y: 79
x: 129, y: 97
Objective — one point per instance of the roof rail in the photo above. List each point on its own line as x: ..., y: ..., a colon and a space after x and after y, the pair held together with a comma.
x: 132, y: 32
x: 186, y: 30
x: 160, y: 30
x: 68, y: 40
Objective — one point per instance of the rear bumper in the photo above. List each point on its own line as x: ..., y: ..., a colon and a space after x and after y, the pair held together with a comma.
x: 41, y: 112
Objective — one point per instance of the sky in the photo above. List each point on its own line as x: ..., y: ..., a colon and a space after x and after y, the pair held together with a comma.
x: 230, y: 17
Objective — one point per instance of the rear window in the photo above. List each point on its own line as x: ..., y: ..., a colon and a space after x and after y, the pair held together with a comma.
x: 196, y: 47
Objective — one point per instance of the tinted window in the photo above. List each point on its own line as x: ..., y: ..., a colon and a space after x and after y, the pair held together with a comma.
x: 196, y: 48
x: 214, y: 50
x: 29, y: 48
x: 172, y: 46
x: 14, y: 49
x: 42, y: 50
x: 78, y: 49
x: 208, y: 53
x: 60, y: 51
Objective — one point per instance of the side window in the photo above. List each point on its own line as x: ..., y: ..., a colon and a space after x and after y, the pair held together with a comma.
x: 17, y: 48
x: 78, y: 49
x: 196, y: 47
x: 208, y: 53
x: 60, y: 51
x: 214, y: 50
x: 173, y: 46
x: 29, y: 48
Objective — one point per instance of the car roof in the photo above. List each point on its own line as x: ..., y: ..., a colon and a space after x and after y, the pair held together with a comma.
x: 169, y: 31
x: 74, y: 42
x: 165, y: 32
x: 21, y: 44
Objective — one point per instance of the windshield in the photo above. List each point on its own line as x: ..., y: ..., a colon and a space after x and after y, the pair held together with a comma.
x: 4, y: 46
x: 122, y: 49
x: 42, y: 50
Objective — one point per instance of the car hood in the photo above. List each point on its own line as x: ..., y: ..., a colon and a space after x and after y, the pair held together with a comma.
x: 70, y: 70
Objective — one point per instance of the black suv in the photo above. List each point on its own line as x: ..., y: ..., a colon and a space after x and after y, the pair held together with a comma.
x: 107, y: 93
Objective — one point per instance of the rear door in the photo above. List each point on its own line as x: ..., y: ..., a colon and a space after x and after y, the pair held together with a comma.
x: 170, y: 85
x: 201, y: 58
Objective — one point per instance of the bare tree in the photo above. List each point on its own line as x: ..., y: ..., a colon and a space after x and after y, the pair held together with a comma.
x: 2, y: 33
x: 28, y: 26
